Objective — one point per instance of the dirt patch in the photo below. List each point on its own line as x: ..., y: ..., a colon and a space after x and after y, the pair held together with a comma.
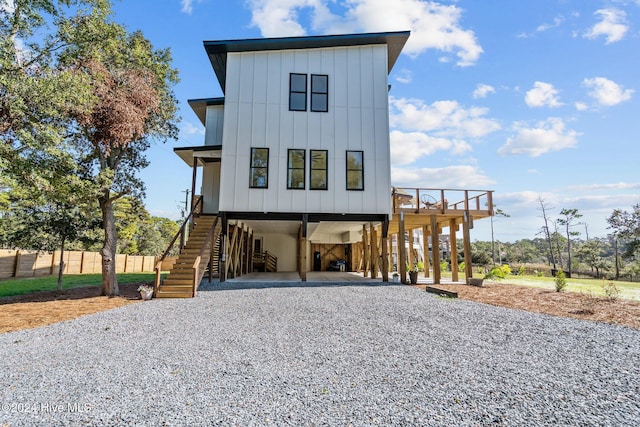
x: 565, y: 304
x: 43, y: 308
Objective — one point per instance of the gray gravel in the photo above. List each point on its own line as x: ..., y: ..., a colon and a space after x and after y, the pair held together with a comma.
x: 320, y: 355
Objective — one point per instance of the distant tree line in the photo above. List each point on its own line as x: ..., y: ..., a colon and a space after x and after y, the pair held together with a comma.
x: 563, y: 247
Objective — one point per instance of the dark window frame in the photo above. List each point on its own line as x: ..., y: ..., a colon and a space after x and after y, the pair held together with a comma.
x: 361, y: 170
x: 298, y: 92
x: 325, y: 169
x: 252, y: 167
x: 316, y: 92
x: 290, y: 168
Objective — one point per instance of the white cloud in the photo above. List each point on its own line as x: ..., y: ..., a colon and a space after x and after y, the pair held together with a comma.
x: 606, y: 187
x: 442, y: 118
x: 407, y: 147
x: 404, y: 76
x: 543, y: 94
x: 581, y: 106
x: 8, y: 6
x: 189, y: 129
x: 606, y: 92
x: 447, y: 177
x: 433, y: 25
x: 482, y: 90
x: 613, y: 25
x: 187, y: 6
x: 557, y: 21
x: 550, y: 135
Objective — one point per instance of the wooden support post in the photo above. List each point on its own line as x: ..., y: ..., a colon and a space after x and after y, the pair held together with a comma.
x: 224, y: 248
x: 390, y: 254
x: 402, y: 259
x: 193, y: 186
x: 453, y: 227
x: 435, y: 249
x: 365, y: 246
x: 385, y: 247
x: 425, y: 248
x: 303, y: 248
x: 468, y: 268
x: 374, y: 253
x: 410, y: 257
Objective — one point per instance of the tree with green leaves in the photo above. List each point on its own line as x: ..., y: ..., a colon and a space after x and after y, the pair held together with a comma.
x: 87, y: 92
x: 569, y: 216
x: 132, y: 84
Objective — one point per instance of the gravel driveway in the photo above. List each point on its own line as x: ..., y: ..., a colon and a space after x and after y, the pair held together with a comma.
x: 333, y: 355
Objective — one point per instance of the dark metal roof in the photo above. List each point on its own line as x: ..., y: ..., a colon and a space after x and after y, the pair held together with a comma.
x: 199, y: 154
x: 217, y: 50
x: 199, y: 106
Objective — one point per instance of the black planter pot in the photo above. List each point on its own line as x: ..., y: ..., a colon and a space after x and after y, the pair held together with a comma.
x: 413, y: 277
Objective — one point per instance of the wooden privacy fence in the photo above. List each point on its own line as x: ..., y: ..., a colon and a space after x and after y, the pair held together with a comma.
x: 19, y: 263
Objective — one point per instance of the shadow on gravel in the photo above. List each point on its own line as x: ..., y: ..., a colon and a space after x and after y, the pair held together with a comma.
x: 232, y: 286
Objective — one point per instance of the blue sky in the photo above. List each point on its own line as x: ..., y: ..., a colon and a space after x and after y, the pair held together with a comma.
x: 532, y: 99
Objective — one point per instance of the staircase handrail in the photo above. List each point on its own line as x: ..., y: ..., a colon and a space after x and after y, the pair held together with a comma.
x: 197, y: 275
x: 173, y: 241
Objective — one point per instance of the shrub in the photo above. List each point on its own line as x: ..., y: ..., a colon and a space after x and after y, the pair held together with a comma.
x: 611, y: 291
x: 498, y: 273
x: 521, y: 271
x: 561, y: 281
x: 461, y: 266
x: 588, y: 303
x: 444, y: 266
x: 420, y: 266
x: 539, y: 273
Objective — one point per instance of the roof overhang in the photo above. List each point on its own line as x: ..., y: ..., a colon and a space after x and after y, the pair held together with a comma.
x: 218, y: 50
x: 199, y: 106
x: 199, y: 155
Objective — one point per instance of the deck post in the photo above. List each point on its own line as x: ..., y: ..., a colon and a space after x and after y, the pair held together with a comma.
x: 468, y: 268
x: 303, y: 248
x: 365, y: 248
x: 194, y: 175
x: 435, y: 249
x: 402, y: 258
x: 410, y: 256
x: 374, y: 252
x: 385, y: 247
x: 224, y: 248
x: 425, y: 248
x: 453, y: 227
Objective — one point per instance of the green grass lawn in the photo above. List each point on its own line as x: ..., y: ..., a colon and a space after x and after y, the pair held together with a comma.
x: 628, y: 290
x: 11, y: 287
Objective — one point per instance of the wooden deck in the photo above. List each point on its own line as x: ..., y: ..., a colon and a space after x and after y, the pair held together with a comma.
x: 433, y: 210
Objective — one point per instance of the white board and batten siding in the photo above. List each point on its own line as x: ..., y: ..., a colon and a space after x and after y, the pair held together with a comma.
x: 256, y: 114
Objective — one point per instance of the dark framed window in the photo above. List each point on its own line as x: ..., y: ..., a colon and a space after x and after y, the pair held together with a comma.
x: 259, y: 176
x: 319, y: 93
x: 319, y: 170
x: 355, y: 170
x: 297, y: 92
x: 295, y: 169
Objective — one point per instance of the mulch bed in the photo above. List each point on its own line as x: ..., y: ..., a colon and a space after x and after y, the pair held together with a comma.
x: 43, y: 308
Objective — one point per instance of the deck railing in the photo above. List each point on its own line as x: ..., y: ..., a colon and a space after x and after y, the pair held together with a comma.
x: 424, y: 200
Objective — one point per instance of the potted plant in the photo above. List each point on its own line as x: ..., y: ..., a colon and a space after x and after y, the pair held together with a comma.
x: 146, y: 292
x: 413, y: 274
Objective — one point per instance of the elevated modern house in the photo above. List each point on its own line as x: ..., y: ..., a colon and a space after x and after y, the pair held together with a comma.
x: 296, y: 159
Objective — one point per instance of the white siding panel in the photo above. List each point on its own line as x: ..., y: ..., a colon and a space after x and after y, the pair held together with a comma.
x: 257, y: 114
x: 215, y: 123
x: 247, y: 77
x: 260, y: 77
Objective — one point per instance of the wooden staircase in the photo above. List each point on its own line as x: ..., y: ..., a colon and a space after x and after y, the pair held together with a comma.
x: 187, y: 272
